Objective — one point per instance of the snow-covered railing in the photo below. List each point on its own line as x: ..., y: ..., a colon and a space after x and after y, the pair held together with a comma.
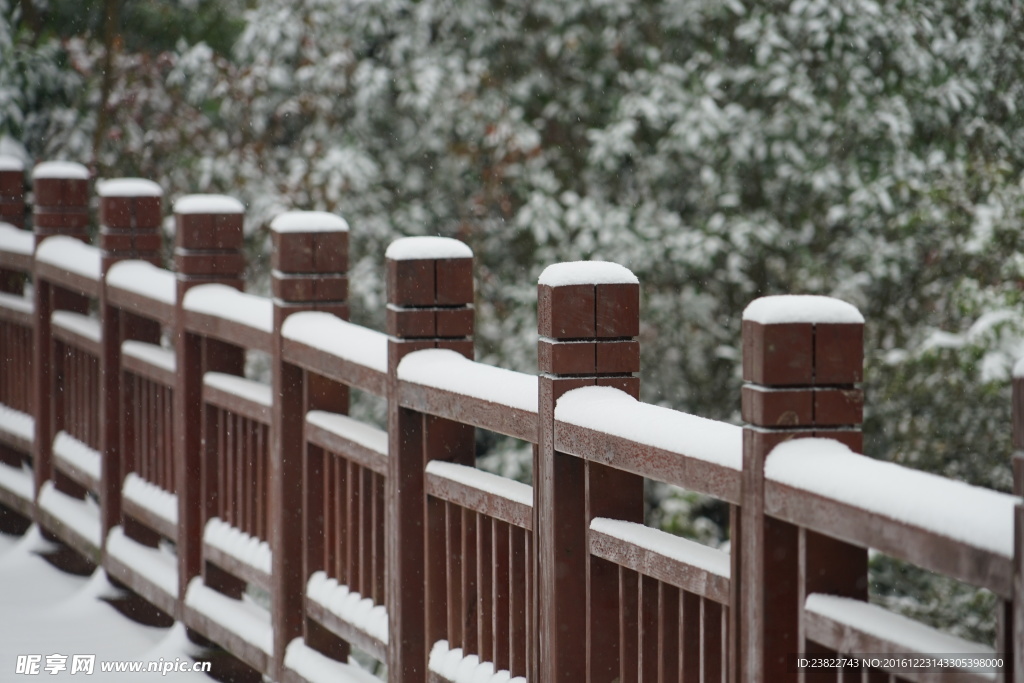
x: 17, y: 429
x: 391, y: 540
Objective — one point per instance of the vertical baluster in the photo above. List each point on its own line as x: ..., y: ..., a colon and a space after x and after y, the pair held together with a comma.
x: 483, y: 587
x: 470, y: 639
x: 520, y: 599
x: 501, y: 554
x: 668, y: 633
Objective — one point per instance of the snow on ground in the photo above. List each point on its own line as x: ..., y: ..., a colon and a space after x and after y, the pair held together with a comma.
x: 46, y: 611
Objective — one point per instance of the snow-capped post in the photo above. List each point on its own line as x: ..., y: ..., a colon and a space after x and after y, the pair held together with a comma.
x: 12, y: 212
x: 207, y: 249
x: 131, y: 210
x: 430, y: 305
x: 1012, y: 631
x: 588, y: 315
x: 802, y: 357
x: 61, y: 200
x: 12, y: 191
x: 309, y: 260
x: 61, y: 207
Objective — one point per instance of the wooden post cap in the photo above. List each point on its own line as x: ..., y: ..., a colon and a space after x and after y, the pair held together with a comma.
x: 208, y: 236
x: 802, y: 357
x: 12, y: 191
x: 131, y: 210
x: 309, y: 261
x: 430, y: 294
x: 588, y: 314
x: 61, y: 206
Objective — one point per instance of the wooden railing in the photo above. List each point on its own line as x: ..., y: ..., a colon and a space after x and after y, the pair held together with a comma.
x: 274, y: 524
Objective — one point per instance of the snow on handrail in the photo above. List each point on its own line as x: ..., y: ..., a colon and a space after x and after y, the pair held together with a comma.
x: 614, y: 412
x: 450, y: 371
x: 70, y: 254
x: 972, y: 515
x: 145, y: 279
x: 16, y: 241
x: 331, y: 334
x: 228, y: 303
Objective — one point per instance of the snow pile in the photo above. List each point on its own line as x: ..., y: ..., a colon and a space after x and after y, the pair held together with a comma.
x: 349, y: 606
x: 244, y: 618
x: 241, y: 387
x: 17, y: 423
x: 150, y: 497
x: 331, y: 334
x: 10, y: 163
x: 60, y: 169
x: 81, y: 516
x: 978, y: 517
x: 679, y: 549
x: 71, y: 255
x: 318, y: 668
x: 451, y: 664
x: 229, y: 303
x: 365, y: 435
x: 48, y: 611
x: 451, y: 371
x: 800, y: 308
x: 907, y: 634
x: 16, y: 241
x: 208, y: 203
x: 18, y: 480
x: 145, y: 279
x: 308, y: 221
x: 416, y: 248
x: 128, y: 187
x: 156, y: 565
x: 82, y: 325
x: 586, y: 273
x: 152, y: 354
x: 473, y: 478
x: 77, y: 454
x: 614, y: 412
x: 238, y: 544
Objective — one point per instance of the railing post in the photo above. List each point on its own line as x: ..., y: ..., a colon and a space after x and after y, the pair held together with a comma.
x: 130, y: 216
x: 208, y: 248
x: 12, y: 211
x: 587, y: 318
x: 61, y: 193
x: 61, y: 208
x: 430, y: 296
x: 1012, y: 631
x: 309, y: 260
x: 12, y: 191
x: 801, y: 359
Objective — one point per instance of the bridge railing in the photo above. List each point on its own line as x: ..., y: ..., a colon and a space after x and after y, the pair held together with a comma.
x: 271, y: 522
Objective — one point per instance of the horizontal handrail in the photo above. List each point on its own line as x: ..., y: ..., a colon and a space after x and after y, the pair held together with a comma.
x: 337, y: 349
x: 69, y: 263
x: 608, y: 426
x: 238, y: 395
x: 444, y: 383
x: 227, y: 314
x: 16, y: 247
x: 694, y: 567
x: 940, y: 524
x: 482, y: 492
x: 143, y: 289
